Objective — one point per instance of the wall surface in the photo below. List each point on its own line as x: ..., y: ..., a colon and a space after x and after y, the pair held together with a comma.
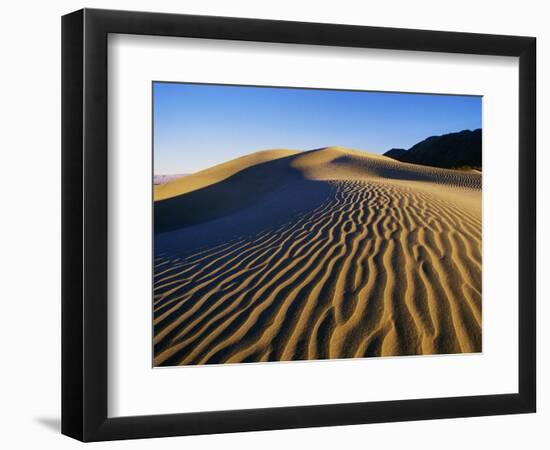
x: 30, y: 288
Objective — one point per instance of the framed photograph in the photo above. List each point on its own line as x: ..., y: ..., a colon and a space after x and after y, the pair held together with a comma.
x: 273, y: 224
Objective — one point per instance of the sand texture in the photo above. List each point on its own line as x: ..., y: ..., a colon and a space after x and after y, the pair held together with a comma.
x: 331, y: 253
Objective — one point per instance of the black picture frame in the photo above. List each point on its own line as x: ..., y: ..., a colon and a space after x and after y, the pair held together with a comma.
x: 84, y: 224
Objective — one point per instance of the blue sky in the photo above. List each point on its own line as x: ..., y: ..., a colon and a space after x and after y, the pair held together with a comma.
x: 198, y: 126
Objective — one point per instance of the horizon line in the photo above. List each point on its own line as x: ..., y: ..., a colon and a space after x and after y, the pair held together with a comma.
x: 306, y: 150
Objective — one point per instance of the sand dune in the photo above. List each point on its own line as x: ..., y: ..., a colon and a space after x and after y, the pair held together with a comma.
x: 331, y: 253
x: 217, y: 173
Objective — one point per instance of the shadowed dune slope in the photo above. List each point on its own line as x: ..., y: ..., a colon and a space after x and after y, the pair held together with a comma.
x: 217, y: 173
x: 332, y: 253
x: 243, y: 182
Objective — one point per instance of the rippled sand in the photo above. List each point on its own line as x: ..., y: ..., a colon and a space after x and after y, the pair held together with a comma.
x: 332, y: 253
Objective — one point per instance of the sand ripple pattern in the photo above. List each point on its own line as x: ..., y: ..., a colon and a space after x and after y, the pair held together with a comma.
x: 376, y: 270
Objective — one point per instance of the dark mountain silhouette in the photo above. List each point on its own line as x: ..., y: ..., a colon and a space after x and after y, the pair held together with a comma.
x: 395, y: 153
x: 450, y: 151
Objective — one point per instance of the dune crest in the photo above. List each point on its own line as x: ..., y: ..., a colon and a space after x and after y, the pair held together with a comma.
x: 330, y: 253
x: 217, y: 173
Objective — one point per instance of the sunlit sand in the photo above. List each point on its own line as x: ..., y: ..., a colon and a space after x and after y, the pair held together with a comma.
x: 331, y: 253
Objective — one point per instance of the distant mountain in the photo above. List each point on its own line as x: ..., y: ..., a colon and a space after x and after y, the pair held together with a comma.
x: 450, y: 151
x: 395, y: 153
x: 161, y: 179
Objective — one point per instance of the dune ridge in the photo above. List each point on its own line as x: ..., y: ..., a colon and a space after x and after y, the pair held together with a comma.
x: 379, y: 258
x: 217, y: 173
